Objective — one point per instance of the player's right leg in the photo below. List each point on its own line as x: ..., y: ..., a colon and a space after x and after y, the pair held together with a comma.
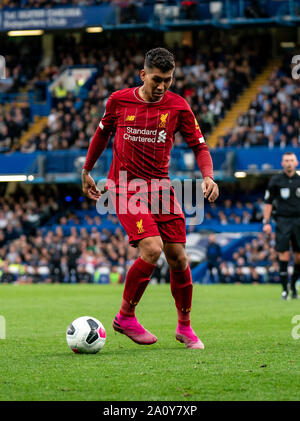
x: 136, y: 282
x: 295, y: 275
x: 296, y: 250
x: 282, y: 246
x: 284, y: 258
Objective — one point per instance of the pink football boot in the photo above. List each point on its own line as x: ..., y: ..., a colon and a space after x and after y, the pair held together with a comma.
x: 130, y: 327
x: 186, y: 335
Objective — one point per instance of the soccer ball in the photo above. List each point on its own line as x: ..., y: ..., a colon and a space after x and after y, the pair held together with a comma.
x: 86, y: 335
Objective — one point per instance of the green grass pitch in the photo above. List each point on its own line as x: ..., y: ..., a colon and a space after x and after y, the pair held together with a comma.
x: 250, y: 353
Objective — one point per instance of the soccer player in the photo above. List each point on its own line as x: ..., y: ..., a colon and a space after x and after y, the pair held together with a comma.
x: 145, y: 120
x: 284, y: 189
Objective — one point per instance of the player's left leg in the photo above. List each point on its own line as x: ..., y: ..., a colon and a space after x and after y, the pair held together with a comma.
x: 296, y: 249
x: 283, y: 236
x: 182, y: 291
x: 137, y: 279
x: 295, y: 275
x: 284, y: 258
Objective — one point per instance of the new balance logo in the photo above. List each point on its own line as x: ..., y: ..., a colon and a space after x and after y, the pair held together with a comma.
x: 130, y: 118
x: 162, y: 136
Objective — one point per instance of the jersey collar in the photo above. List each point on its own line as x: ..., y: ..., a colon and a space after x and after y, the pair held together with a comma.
x: 137, y: 95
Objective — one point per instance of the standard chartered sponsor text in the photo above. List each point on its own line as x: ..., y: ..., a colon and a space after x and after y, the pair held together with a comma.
x: 132, y: 131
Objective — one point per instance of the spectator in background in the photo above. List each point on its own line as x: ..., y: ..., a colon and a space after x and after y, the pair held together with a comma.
x: 60, y: 91
x: 6, y: 276
x: 240, y: 277
x: 213, y: 257
x: 225, y: 273
x: 115, y: 277
x: 72, y: 253
x: 83, y: 277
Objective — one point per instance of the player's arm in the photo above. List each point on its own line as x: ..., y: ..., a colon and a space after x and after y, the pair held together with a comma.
x: 192, y: 134
x: 96, y: 147
x: 269, y: 198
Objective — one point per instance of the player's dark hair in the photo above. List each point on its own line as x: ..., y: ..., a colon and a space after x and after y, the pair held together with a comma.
x: 288, y: 153
x: 160, y: 58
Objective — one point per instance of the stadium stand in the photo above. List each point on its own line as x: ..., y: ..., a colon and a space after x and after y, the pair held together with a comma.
x: 256, y: 262
x: 272, y: 119
x: 66, y: 240
x: 77, y: 249
x: 208, y: 80
x: 13, y: 121
x: 21, y: 66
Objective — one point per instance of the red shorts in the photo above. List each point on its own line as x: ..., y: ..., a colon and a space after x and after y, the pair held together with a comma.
x: 152, y: 214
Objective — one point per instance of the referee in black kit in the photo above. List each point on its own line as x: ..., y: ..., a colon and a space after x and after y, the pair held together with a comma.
x: 283, y: 194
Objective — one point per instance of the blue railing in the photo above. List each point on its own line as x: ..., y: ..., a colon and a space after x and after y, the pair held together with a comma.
x: 65, y: 165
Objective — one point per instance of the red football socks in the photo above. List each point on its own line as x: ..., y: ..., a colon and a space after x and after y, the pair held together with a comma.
x: 186, y: 323
x: 137, y: 279
x: 182, y: 291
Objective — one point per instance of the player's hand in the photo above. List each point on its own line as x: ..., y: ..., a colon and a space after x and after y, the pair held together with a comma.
x: 267, y: 229
x: 210, y: 189
x: 89, y: 187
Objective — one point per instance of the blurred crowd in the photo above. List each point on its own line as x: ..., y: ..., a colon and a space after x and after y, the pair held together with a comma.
x: 235, y: 213
x: 22, y: 63
x: 44, y: 238
x: 30, y: 254
x: 255, y: 262
x: 209, y: 79
x: 22, y: 214
x: 273, y: 118
x: 13, y: 121
x: 98, y: 257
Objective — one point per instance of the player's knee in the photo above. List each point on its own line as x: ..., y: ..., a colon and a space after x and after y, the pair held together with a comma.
x: 152, y: 255
x: 151, y: 250
x: 178, y: 262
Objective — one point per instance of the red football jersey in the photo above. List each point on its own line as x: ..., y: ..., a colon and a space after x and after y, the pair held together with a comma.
x: 145, y: 135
